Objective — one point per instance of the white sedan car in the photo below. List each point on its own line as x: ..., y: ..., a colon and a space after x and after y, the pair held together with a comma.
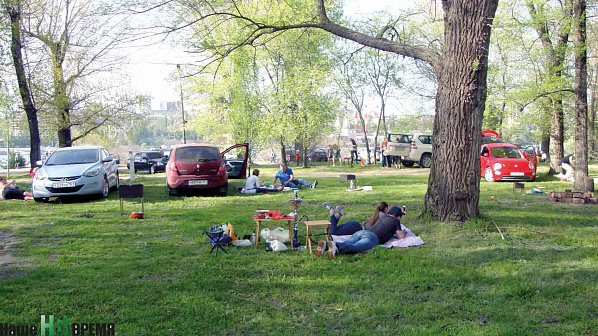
x: 73, y: 171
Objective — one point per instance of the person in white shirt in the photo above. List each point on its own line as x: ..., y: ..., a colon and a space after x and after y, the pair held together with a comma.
x: 253, y: 186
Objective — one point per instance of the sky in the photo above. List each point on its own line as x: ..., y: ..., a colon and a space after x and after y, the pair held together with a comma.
x: 151, y: 67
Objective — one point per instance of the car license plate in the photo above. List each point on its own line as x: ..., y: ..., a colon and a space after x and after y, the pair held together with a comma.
x: 64, y: 185
x: 517, y: 174
x: 198, y: 182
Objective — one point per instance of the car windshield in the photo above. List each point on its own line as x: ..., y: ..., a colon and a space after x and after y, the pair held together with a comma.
x: 506, y: 153
x: 73, y: 156
x: 194, y: 154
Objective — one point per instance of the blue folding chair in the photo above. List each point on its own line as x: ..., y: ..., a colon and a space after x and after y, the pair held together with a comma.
x: 217, y: 239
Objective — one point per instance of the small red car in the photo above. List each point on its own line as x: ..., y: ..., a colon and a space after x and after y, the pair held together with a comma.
x: 198, y: 166
x: 506, y: 162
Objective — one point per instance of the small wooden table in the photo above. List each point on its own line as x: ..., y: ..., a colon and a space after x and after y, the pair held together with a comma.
x: 259, y: 223
x: 313, y: 224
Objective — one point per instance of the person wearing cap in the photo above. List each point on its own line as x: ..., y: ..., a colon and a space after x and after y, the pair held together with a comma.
x: 364, y: 240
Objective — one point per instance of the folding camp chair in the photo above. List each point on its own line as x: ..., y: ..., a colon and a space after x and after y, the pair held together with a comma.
x: 217, y: 239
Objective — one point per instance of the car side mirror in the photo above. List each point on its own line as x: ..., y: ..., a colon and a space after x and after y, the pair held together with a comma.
x: 485, y: 155
x: 526, y: 155
x: 39, y: 163
x: 107, y: 159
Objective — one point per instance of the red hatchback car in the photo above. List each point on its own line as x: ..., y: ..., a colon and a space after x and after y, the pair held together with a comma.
x: 506, y: 162
x: 197, y: 167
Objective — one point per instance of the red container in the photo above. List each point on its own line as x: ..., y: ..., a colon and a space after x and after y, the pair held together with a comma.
x: 138, y: 215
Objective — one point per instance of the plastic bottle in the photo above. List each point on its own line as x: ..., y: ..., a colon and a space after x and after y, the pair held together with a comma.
x: 253, y: 238
x: 351, y: 186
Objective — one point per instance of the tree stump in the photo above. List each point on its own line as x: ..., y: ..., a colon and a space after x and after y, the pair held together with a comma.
x: 588, y: 184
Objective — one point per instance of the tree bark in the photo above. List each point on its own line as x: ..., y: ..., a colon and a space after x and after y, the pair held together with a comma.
x: 557, y: 131
x: 283, y: 154
x: 454, y: 181
x: 13, y: 10
x: 581, y: 94
x: 592, y: 116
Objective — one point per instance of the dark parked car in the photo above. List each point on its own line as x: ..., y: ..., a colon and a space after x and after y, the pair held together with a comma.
x: 150, y: 161
x: 319, y: 154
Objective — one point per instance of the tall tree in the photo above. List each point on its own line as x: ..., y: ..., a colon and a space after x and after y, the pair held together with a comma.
x: 460, y: 66
x: 77, y: 40
x: 13, y: 10
x: 382, y: 71
x: 555, y: 56
x: 352, y: 82
x: 581, y: 96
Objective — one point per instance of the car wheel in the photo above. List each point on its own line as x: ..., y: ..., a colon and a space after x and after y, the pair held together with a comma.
x: 488, y: 175
x: 425, y: 161
x: 173, y: 191
x: 152, y: 170
x: 222, y: 191
x: 105, y: 188
x: 117, y: 185
x: 407, y: 163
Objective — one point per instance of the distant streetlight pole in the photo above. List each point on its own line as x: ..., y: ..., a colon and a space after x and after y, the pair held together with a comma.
x: 178, y: 66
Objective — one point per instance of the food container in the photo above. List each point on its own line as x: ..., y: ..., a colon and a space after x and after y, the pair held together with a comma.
x: 138, y: 215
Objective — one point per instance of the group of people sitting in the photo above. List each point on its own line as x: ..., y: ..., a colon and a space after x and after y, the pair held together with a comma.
x: 377, y: 229
x: 286, y: 177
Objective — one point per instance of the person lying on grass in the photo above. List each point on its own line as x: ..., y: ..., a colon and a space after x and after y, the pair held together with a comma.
x: 352, y: 226
x: 252, y: 185
x: 11, y: 191
x: 365, y: 240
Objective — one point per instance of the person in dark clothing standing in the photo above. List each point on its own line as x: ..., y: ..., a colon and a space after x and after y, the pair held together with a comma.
x: 354, y: 156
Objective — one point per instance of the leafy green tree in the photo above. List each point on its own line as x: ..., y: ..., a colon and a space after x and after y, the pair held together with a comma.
x: 460, y: 63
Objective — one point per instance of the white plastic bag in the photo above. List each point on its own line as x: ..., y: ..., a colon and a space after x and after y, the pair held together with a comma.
x: 265, y: 234
x: 278, y: 246
x: 278, y: 233
x: 242, y: 242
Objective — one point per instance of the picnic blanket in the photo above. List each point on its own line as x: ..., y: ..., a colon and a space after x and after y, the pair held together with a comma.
x: 410, y: 240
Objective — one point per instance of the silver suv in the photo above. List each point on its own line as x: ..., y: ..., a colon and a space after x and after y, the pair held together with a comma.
x: 420, y: 152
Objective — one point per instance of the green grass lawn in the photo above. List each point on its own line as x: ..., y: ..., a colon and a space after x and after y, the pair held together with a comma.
x: 156, y: 276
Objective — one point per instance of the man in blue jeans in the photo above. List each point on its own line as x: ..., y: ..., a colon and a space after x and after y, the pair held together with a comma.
x: 287, y: 178
x: 365, y: 240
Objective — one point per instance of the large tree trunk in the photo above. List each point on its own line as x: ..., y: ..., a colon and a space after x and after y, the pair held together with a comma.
x: 581, y: 94
x: 592, y: 117
x: 64, y: 132
x: 454, y: 182
x: 13, y: 11
x: 283, y: 153
x: 557, y: 131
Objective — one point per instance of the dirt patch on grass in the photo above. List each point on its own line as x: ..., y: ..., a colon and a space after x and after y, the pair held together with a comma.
x: 8, y: 262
